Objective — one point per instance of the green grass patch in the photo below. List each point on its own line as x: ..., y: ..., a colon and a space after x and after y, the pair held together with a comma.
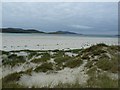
x: 62, y: 59
x: 44, y: 67
x: 104, y: 56
x: 44, y: 58
x: 104, y: 64
x: 5, y: 52
x: 74, y: 51
x: 95, y: 47
x: 98, y: 52
x: 13, y: 60
x: 11, y: 77
x: 73, y: 63
x: 101, y: 81
x: 31, y: 55
x: 28, y: 71
x: 89, y: 64
x: 58, y: 54
x: 92, y: 71
x: 86, y: 57
x: 69, y: 85
x: 12, y: 85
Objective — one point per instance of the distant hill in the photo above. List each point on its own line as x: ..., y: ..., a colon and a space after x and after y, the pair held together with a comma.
x: 62, y: 32
x: 18, y: 30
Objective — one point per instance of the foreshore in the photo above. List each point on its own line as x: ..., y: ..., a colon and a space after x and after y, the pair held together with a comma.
x: 51, y: 42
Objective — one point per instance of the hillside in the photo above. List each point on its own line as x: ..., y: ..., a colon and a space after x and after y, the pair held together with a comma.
x: 62, y: 32
x: 19, y: 30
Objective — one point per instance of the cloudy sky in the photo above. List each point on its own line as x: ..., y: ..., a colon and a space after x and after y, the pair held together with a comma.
x: 82, y: 17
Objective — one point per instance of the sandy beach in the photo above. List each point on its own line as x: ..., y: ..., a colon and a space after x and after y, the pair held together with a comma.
x: 51, y: 42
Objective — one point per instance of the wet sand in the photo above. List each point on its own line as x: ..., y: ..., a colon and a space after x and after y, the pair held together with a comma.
x: 51, y: 42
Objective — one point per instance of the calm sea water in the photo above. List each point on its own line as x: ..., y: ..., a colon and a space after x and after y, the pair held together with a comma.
x: 68, y: 35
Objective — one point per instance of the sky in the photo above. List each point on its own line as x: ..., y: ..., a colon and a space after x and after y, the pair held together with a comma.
x: 60, y: 0
x: 79, y: 17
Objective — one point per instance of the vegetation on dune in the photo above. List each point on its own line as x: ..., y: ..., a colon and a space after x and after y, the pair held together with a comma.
x: 114, y: 48
x: 44, y: 57
x: 101, y: 81
x: 10, y: 81
x: 69, y: 85
x: 95, y: 50
x: 5, y: 52
x: 106, y: 57
x: 58, y: 54
x: 56, y: 50
x: 99, y: 58
x: 12, y: 84
x: 31, y: 55
x: 89, y: 64
x: 104, y: 64
x: 94, y: 47
x: 74, y: 51
x: 99, y: 52
x: 13, y: 60
x: 92, y: 71
x: 27, y: 51
x: 44, y: 67
x: 11, y: 77
x: 62, y: 59
x: 28, y: 71
x: 73, y: 63
x: 85, y: 57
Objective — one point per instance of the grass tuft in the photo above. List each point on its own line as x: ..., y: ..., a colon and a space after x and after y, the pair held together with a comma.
x: 44, y: 67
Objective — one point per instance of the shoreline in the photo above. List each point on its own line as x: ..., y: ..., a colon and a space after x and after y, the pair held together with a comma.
x: 53, y: 50
x: 77, y: 34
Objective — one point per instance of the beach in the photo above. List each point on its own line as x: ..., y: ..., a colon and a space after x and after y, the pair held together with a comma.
x: 49, y: 60
x: 51, y: 42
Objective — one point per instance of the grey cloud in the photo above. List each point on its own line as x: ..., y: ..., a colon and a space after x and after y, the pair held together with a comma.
x: 62, y: 16
x: 81, y: 26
